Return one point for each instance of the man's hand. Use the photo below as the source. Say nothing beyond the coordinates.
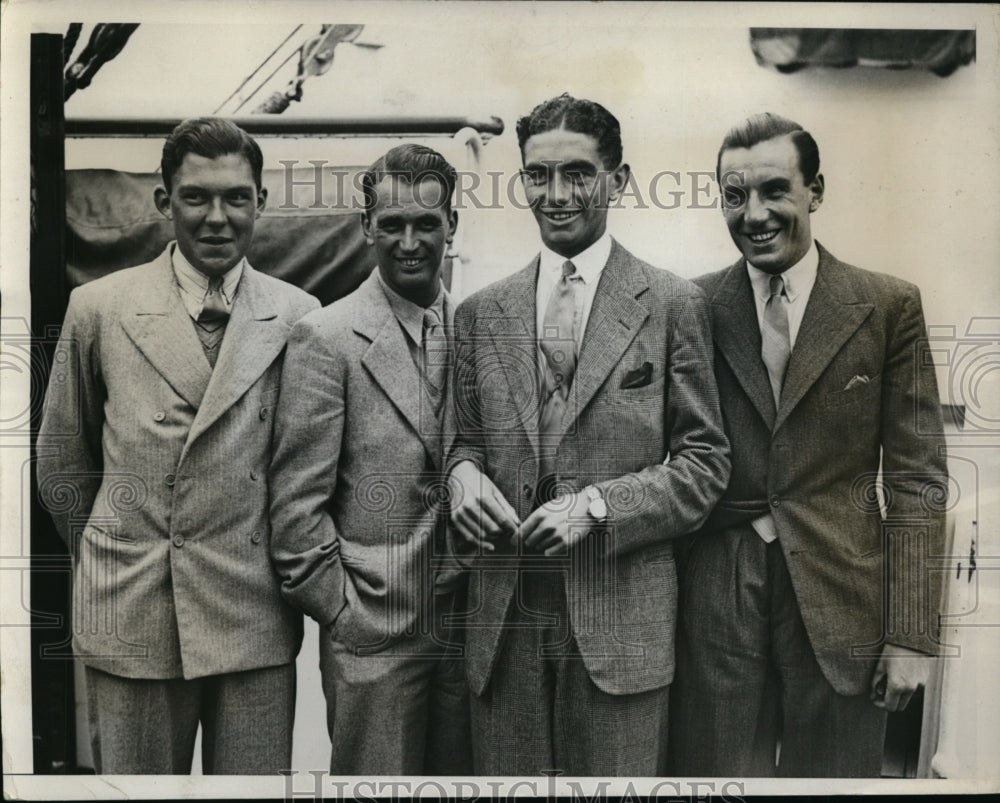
(479, 511)
(557, 525)
(899, 673)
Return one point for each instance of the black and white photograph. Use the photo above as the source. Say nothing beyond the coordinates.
(481, 399)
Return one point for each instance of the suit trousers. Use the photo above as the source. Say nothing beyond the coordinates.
(541, 711)
(140, 726)
(750, 698)
(403, 710)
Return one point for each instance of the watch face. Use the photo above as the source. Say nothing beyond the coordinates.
(598, 509)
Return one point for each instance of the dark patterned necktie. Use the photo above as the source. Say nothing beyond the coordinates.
(435, 347)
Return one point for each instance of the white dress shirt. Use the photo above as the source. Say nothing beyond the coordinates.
(193, 284)
(799, 280)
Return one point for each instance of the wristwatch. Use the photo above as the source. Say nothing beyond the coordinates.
(597, 508)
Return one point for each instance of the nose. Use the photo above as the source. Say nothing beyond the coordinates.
(755, 210)
(216, 215)
(558, 189)
(408, 242)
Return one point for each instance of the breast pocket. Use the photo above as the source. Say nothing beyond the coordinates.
(860, 395)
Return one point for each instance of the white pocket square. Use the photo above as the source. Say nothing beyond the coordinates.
(857, 379)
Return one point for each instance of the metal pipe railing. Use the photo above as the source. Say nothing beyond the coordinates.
(272, 126)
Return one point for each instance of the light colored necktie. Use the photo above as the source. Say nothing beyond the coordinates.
(558, 346)
(436, 356)
(214, 312)
(775, 342)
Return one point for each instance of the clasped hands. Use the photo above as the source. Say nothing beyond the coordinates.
(482, 516)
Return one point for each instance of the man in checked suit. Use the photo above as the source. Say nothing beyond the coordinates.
(588, 438)
(358, 537)
(153, 457)
(806, 616)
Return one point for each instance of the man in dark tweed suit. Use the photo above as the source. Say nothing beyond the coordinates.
(157, 436)
(588, 438)
(808, 610)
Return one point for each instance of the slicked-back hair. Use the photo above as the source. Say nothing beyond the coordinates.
(412, 163)
(210, 137)
(575, 114)
(767, 125)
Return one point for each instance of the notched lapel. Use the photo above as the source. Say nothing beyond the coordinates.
(162, 330)
(834, 312)
(513, 331)
(254, 337)
(390, 364)
(737, 337)
(614, 322)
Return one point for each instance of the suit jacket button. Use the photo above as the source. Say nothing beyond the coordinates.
(526, 490)
(775, 501)
(253, 474)
(159, 415)
(263, 413)
(255, 536)
(178, 541)
(170, 479)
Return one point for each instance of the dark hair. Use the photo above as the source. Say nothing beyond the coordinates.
(762, 127)
(581, 116)
(411, 163)
(210, 137)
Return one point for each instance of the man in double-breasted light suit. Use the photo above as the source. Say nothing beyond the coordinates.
(358, 487)
(808, 610)
(588, 438)
(153, 458)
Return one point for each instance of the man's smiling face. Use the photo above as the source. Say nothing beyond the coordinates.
(213, 204)
(568, 187)
(767, 203)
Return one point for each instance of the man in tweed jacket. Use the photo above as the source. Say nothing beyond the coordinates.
(153, 459)
(573, 591)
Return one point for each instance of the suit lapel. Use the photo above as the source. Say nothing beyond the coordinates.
(255, 336)
(514, 334)
(737, 337)
(162, 330)
(615, 319)
(834, 312)
(391, 365)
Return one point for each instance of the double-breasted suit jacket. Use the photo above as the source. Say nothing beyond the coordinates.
(643, 426)
(357, 471)
(155, 467)
(859, 388)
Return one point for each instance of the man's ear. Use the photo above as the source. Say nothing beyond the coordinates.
(452, 225)
(261, 200)
(162, 200)
(816, 192)
(617, 180)
(366, 227)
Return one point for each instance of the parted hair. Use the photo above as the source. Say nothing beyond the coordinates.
(412, 163)
(210, 137)
(767, 125)
(579, 115)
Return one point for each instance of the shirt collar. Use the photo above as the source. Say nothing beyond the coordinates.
(410, 315)
(196, 282)
(798, 279)
(589, 262)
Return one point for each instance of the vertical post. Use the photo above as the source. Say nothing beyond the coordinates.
(53, 714)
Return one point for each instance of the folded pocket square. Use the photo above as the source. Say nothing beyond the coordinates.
(640, 377)
(857, 379)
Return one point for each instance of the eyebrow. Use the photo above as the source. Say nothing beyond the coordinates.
(576, 164)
